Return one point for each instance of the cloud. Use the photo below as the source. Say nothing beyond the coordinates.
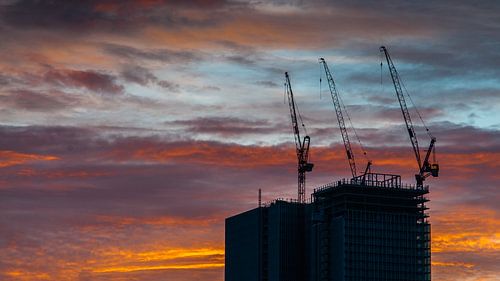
(11, 158)
(465, 241)
(225, 126)
(5, 80)
(155, 55)
(108, 189)
(28, 13)
(141, 183)
(165, 259)
(93, 81)
(144, 77)
(270, 84)
(168, 85)
(39, 101)
(109, 14)
(139, 75)
(474, 231)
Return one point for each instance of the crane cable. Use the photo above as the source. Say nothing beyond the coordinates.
(303, 126)
(381, 63)
(296, 108)
(320, 80)
(408, 95)
(301, 121)
(353, 129)
(365, 154)
(418, 112)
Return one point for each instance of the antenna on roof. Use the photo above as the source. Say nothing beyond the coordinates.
(260, 197)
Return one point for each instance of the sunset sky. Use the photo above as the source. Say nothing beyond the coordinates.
(130, 129)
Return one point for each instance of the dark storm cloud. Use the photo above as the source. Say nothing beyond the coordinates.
(96, 82)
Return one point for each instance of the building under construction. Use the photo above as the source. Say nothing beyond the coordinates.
(374, 228)
(368, 227)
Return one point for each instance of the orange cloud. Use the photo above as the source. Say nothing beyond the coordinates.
(452, 264)
(57, 174)
(22, 275)
(160, 267)
(267, 27)
(163, 220)
(12, 158)
(254, 156)
(466, 230)
(179, 258)
(208, 153)
(117, 260)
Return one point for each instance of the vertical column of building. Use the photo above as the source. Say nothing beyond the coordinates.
(423, 238)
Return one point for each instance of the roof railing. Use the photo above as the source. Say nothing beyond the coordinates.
(287, 200)
(374, 180)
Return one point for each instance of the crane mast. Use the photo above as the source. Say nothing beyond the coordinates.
(340, 119)
(301, 147)
(425, 168)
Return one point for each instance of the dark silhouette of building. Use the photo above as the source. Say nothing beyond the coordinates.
(266, 243)
(370, 227)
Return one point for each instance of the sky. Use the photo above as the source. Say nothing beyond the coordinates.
(129, 130)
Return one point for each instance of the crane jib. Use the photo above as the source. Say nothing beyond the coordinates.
(340, 118)
(301, 146)
(425, 168)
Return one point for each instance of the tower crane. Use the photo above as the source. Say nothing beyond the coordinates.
(340, 119)
(425, 168)
(301, 146)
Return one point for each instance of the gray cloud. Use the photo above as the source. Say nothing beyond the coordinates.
(38, 101)
(226, 126)
(108, 14)
(162, 55)
(93, 81)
